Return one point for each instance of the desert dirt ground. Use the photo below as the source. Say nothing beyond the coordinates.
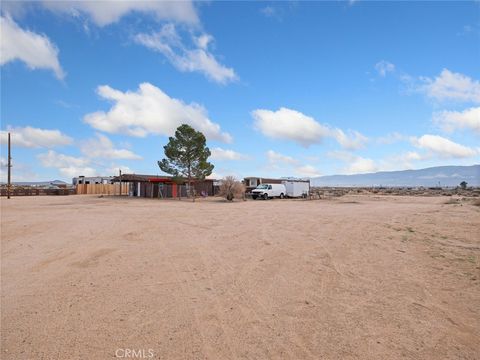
(359, 277)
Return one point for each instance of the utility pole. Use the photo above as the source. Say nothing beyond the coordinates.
(120, 182)
(9, 176)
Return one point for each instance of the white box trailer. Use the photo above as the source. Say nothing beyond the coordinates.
(297, 188)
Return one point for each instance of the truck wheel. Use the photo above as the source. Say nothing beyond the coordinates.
(281, 196)
(254, 197)
(265, 196)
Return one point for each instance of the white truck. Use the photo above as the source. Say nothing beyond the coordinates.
(265, 191)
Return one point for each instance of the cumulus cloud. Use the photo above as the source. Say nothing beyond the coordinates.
(68, 166)
(287, 163)
(274, 158)
(353, 141)
(383, 67)
(361, 165)
(35, 50)
(107, 12)
(404, 160)
(413, 156)
(307, 171)
(102, 147)
(115, 169)
(290, 124)
(31, 137)
(226, 154)
(73, 166)
(443, 147)
(392, 138)
(150, 111)
(354, 164)
(293, 125)
(196, 58)
(451, 86)
(469, 119)
(21, 172)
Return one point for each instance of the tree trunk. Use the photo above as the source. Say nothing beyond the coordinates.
(190, 188)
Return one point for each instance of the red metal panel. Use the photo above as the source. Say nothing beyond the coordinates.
(160, 180)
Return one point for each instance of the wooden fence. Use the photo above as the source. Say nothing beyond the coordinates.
(102, 189)
(32, 191)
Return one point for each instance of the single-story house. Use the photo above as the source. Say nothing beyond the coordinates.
(159, 186)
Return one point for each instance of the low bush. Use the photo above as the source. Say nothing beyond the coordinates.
(231, 189)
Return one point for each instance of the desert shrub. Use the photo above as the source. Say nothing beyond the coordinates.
(231, 189)
(452, 201)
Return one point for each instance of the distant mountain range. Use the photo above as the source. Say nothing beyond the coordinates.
(429, 177)
(435, 176)
(38, 183)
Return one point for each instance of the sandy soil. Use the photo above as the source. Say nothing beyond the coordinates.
(360, 277)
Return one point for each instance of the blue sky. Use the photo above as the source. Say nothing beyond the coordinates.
(279, 88)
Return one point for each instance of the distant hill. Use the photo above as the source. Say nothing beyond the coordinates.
(38, 183)
(443, 175)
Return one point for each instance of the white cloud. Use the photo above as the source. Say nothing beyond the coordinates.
(451, 86)
(34, 138)
(72, 166)
(383, 67)
(169, 43)
(286, 163)
(275, 158)
(355, 164)
(413, 156)
(452, 120)
(307, 171)
(102, 147)
(361, 165)
(404, 160)
(443, 147)
(68, 166)
(273, 12)
(115, 169)
(392, 138)
(20, 171)
(107, 12)
(353, 141)
(268, 11)
(150, 111)
(290, 124)
(35, 50)
(225, 154)
(293, 125)
(54, 159)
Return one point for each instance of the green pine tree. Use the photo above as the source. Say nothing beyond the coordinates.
(186, 156)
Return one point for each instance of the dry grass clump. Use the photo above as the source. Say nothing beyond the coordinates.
(452, 201)
(230, 189)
